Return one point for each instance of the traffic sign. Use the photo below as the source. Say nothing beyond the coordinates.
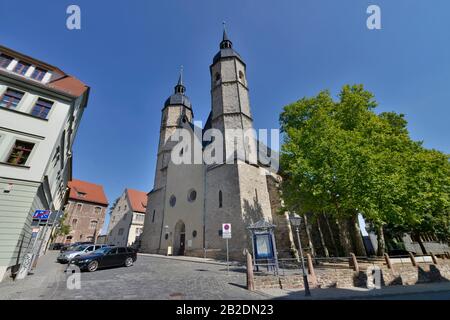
(226, 231)
(41, 214)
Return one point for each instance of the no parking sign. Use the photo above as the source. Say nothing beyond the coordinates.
(226, 231)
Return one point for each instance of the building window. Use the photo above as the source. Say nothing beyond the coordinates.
(192, 195)
(120, 232)
(38, 74)
(124, 217)
(42, 108)
(81, 194)
(97, 210)
(21, 68)
(74, 223)
(256, 195)
(79, 206)
(11, 99)
(93, 224)
(220, 199)
(241, 75)
(217, 78)
(125, 207)
(153, 217)
(5, 60)
(20, 152)
(69, 238)
(172, 201)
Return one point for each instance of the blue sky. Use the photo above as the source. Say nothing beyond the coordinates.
(129, 53)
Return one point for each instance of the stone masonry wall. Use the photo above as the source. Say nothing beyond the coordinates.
(347, 278)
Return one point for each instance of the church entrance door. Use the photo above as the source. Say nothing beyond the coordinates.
(179, 238)
(182, 242)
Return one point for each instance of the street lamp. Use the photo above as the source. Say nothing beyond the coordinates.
(295, 222)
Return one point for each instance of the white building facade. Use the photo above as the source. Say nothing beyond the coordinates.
(127, 217)
(40, 111)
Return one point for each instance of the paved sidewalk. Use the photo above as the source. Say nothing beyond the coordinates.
(37, 283)
(192, 259)
(356, 293)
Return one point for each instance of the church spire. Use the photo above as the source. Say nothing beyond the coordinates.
(180, 88)
(226, 43)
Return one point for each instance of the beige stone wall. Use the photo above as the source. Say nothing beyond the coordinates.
(83, 213)
(223, 178)
(347, 278)
(150, 239)
(182, 179)
(120, 220)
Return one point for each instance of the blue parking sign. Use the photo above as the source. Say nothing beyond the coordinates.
(41, 214)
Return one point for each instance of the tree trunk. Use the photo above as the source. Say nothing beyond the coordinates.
(381, 242)
(322, 239)
(420, 242)
(344, 236)
(360, 249)
(308, 234)
(333, 241)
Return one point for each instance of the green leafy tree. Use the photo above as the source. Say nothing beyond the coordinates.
(341, 158)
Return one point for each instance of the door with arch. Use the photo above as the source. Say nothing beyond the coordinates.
(180, 238)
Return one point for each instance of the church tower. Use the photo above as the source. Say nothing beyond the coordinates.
(230, 99)
(177, 111)
(236, 192)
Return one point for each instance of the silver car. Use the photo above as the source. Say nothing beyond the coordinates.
(80, 250)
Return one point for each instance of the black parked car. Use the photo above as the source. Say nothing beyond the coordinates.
(56, 246)
(106, 257)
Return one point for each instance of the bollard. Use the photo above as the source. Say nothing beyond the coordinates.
(353, 262)
(311, 271)
(250, 279)
(413, 260)
(433, 257)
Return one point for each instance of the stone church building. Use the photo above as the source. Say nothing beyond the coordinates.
(189, 202)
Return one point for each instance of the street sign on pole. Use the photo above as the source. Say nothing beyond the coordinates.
(226, 234)
(226, 231)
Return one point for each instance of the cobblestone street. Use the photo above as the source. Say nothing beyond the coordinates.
(150, 278)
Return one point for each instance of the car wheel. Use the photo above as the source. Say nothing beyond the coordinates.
(128, 262)
(92, 266)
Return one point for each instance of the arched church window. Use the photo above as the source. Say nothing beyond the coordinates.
(220, 199)
(172, 201)
(153, 217)
(194, 233)
(192, 195)
(241, 75)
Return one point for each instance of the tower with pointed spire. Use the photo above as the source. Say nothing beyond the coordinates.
(177, 109)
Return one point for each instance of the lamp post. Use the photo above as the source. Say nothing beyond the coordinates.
(295, 222)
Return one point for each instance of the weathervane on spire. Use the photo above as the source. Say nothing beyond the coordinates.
(226, 43)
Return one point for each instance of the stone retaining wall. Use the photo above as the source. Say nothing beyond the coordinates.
(347, 278)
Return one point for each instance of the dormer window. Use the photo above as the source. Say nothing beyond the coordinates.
(21, 68)
(81, 194)
(5, 60)
(38, 74)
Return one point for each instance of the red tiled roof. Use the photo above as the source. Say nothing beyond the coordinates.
(69, 84)
(138, 200)
(88, 192)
